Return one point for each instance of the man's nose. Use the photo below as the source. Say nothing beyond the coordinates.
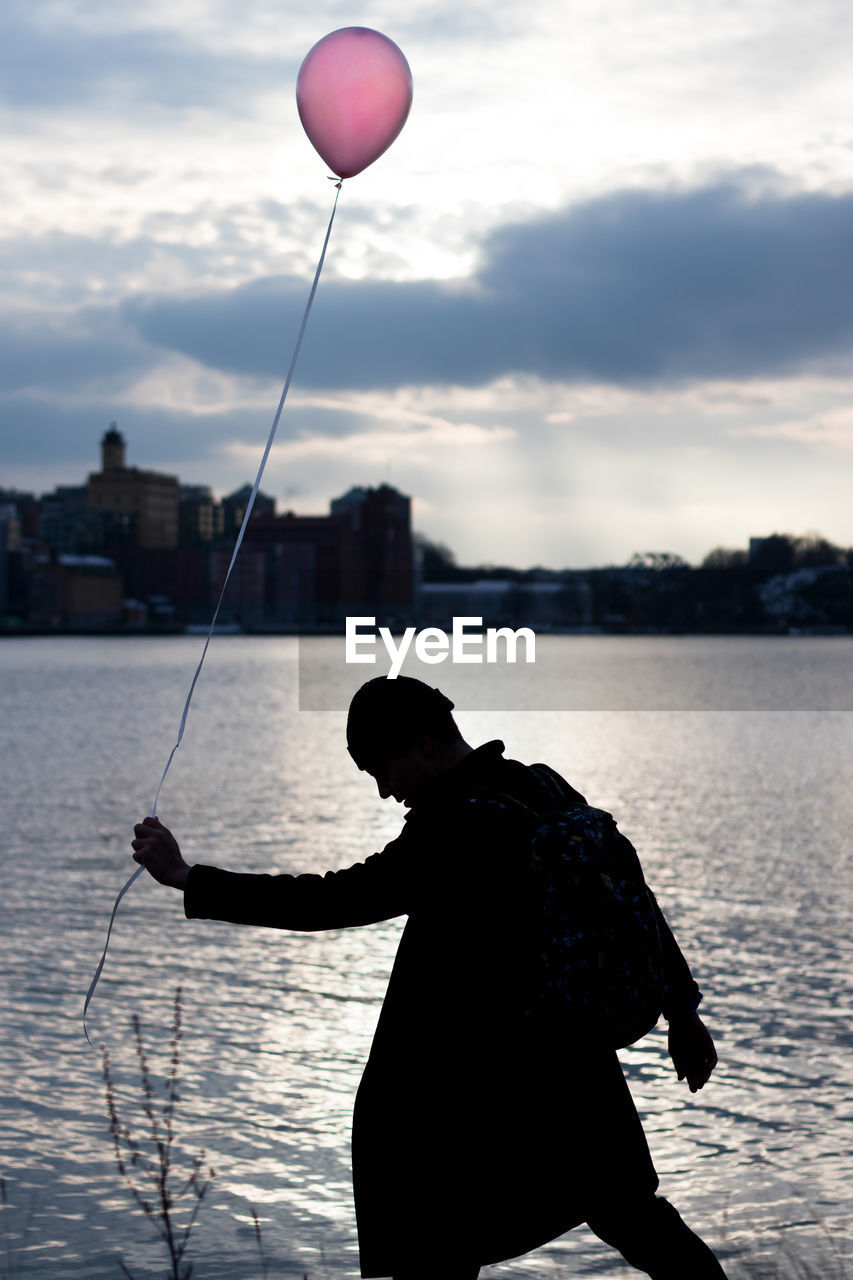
(383, 788)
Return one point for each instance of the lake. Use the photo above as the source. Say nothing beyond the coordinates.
(726, 761)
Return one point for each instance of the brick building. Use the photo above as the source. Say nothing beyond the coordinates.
(359, 559)
(75, 592)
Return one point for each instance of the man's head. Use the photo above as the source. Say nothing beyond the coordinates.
(402, 732)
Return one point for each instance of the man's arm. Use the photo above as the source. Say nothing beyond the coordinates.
(691, 1046)
(362, 894)
(681, 992)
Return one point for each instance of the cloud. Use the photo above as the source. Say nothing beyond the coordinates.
(50, 59)
(833, 427)
(173, 57)
(637, 287)
(65, 353)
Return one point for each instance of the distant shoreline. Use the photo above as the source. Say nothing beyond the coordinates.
(817, 632)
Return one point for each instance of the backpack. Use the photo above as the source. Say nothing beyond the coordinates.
(597, 961)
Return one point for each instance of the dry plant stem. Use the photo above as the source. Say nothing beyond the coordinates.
(156, 1167)
(12, 1265)
(4, 1200)
(264, 1262)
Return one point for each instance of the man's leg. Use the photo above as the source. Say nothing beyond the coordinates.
(653, 1238)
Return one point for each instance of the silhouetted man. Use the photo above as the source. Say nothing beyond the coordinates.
(475, 1137)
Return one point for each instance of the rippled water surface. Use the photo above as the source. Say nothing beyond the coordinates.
(742, 819)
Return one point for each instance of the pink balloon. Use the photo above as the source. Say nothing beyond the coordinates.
(353, 93)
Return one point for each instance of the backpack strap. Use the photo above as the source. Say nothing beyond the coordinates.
(560, 794)
(548, 793)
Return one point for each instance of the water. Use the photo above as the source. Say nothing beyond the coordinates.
(742, 818)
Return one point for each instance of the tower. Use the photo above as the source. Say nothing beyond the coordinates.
(112, 450)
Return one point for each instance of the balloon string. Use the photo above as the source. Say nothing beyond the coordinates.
(297, 348)
(94, 981)
(250, 504)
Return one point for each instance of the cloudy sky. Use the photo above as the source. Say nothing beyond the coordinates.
(597, 298)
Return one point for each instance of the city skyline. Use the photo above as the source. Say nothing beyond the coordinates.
(133, 547)
(271, 504)
(611, 313)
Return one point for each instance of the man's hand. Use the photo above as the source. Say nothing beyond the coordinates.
(691, 1049)
(157, 849)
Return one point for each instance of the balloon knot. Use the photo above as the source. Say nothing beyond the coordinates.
(339, 182)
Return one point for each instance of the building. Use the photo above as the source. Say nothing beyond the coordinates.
(10, 555)
(148, 498)
(358, 559)
(563, 602)
(200, 516)
(75, 592)
(234, 509)
(69, 526)
(27, 507)
(378, 554)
